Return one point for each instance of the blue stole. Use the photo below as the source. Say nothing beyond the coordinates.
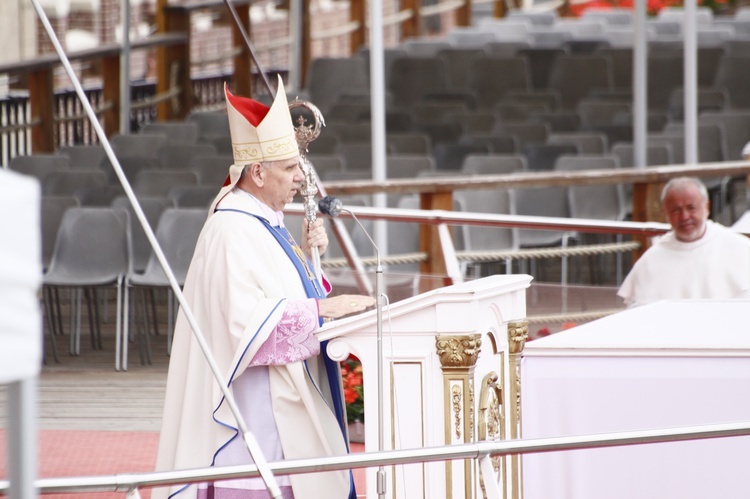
(313, 289)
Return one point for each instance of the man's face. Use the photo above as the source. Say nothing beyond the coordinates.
(282, 181)
(687, 212)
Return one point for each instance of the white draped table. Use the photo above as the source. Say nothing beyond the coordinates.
(669, 364)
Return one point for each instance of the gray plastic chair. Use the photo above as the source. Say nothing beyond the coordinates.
(84, 156)
(575, 76)
(494, 201)
(495, 164)
(327, 77)
(79, 183)
(491, 78)
(139, 145)
(152, 207)
(174, 156)
(412, 77)
(92, 250)
(586, 142)
(177, 233)
(212, 169)
(193, 196)
(40, 165)
(409, 166)
(53, 209)
(180, 132)
(409, 143)
(159, 182)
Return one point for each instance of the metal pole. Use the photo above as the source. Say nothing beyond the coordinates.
(690, 104)
(125, 68)
(249, 439)
(474, 450)
(640, 104)
(22, 438)
(377, 114)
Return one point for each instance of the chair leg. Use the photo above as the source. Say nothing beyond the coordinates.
(50, 331)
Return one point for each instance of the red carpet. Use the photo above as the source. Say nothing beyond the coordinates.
(87, 453)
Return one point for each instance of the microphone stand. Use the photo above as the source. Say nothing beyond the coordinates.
(380, 477)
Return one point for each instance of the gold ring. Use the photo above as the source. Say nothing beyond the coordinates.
(353, 304)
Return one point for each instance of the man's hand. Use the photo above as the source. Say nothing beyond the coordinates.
(314, 237)
(342, 305)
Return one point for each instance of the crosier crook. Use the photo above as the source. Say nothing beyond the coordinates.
(305, 134)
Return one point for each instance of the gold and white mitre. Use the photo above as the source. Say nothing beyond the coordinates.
(258, 133)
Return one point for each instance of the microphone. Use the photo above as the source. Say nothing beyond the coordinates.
(330, 206)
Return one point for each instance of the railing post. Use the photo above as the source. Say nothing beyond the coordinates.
(646, 207)
(412, 27)
(242, 78)
(173, 65)
(429, 240)
(463, 13)
(111, 94)
(41, 98)
(458, 357)
(357, 14)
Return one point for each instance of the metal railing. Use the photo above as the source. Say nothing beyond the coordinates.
(480, 450)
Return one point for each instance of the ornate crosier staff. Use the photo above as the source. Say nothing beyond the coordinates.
(339, 230)
(305, 134)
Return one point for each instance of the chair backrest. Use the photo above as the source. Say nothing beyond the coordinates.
(409, 143)
(175, 156)
(177, 233)
(159, 182)
(53, 209)
(477, 238)
(84, 156)
(152, 208)
(605, 201)
(496, 164)
(733, 76)
(736, 127)
(409, 166)
(179, 132)
(210, 124)
(92, 247)
(526, 133)
(450, 157)
(193, 196)
(211, 169)
(40, 165)
(493, 77)
(542, 157)
(542, 202)
(79, 183)
(575, 76)
(656, 155)
(540, 64)
(412, 77)
(459, 62)
(421, 47)
(328, 77)
(496, 143)
(598, 112)
(327, 163)
(587, 142)
(141, 145)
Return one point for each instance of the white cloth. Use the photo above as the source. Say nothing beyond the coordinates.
(715, 266)
(238, 284)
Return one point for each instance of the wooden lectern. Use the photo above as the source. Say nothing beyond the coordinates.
(447, 358)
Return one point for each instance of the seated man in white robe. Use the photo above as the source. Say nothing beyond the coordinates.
(697, 259)
(252, 292)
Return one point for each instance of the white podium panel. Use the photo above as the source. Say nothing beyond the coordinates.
(670, 364)
(20, 277)
(414, 402)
